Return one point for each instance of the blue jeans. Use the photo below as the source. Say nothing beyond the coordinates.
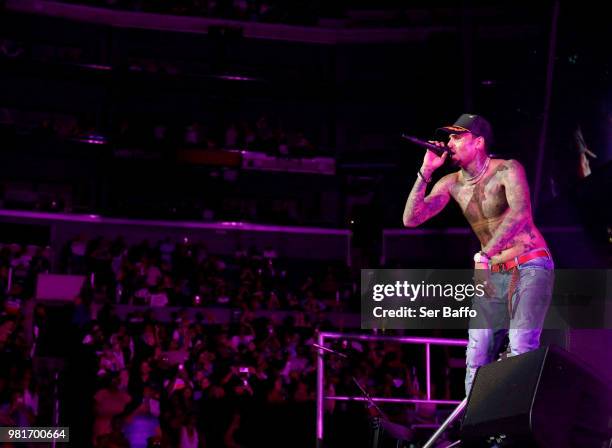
(530, 300)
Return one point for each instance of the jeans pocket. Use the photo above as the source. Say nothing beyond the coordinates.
(537, 281)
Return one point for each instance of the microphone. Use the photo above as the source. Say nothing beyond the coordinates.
(438, 150)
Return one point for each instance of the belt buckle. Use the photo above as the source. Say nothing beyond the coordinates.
(500, 267)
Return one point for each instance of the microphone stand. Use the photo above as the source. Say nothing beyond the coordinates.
(381, 421)
(368, 398)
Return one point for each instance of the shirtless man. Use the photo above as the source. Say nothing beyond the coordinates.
(514, 262)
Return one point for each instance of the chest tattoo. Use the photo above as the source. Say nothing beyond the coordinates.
(475, 210)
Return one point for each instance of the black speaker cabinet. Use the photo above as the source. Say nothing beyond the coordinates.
(545, 398)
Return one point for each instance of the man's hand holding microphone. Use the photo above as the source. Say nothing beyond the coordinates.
(432, 161)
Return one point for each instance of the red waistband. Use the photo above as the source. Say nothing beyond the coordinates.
(506, 266)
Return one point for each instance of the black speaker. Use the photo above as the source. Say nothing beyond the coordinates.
(545, 398)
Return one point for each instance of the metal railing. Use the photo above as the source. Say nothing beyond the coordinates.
(427, 342)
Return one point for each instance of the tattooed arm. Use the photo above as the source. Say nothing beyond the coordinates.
(518, 214)
(420, 208)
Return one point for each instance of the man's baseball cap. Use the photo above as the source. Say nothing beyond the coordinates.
(475, 124)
